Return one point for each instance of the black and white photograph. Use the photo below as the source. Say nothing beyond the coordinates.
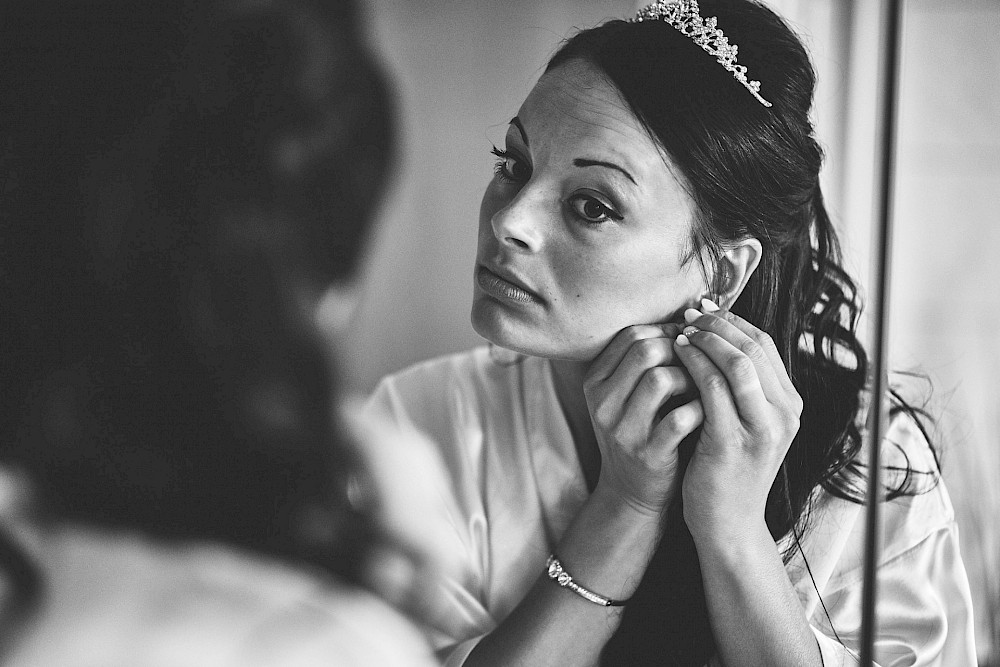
(550, 333)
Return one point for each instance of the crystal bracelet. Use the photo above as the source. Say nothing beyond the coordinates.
(562, 577)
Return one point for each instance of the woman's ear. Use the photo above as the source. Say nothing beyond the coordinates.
(734, 269)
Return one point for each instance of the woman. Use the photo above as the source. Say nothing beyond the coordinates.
(666, 470)
(181, 182)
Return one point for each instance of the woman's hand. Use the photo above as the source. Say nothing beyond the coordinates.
(751, 416)
(627, 388)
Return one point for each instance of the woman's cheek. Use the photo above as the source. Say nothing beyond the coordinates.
(623, 294)
(593, 294)
(494, 199)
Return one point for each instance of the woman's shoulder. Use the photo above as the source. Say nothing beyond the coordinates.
(462, 386)
(334, 624)
(112, 594)
(287, 615)
(906, 444)
(469, 367)
(475, 409)
(917, 506)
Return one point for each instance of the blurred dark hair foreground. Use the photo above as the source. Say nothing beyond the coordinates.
(179, 182)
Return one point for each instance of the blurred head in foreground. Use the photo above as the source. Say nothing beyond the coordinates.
(180, 183)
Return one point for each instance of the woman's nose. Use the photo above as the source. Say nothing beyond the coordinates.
(518, 224)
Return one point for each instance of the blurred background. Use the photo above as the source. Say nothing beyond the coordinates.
(463, 68)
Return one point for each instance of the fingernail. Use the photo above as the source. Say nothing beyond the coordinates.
(682, 340)
(709, 306)
(690, 330)
(691, 314)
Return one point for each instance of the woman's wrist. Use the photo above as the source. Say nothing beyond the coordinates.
(605, 551)
(609, 544)
(621, 519)
(754, 609)
(620, 500)
(734, 543)
(721, 523)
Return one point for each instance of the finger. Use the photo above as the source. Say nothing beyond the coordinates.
(656, 387)
(718, 323)
(640, 358)
(767, 344)
(725, 377)
(679, 423)
(605, 363)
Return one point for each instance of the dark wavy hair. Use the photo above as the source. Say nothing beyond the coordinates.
(752, 171)
(180, 180)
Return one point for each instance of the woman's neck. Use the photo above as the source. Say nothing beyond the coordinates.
(567, 376)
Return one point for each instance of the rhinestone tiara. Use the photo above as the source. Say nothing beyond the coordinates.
(685, 16)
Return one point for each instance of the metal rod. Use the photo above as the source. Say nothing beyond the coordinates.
(878, 415)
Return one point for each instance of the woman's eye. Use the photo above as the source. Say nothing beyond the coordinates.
(510, 168)
(592, 210)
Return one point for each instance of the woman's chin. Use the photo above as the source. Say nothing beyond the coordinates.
(530, 341)
(502, 333)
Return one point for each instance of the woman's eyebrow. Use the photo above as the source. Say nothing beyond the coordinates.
(584, 162)
(579, 162)
(516, 122)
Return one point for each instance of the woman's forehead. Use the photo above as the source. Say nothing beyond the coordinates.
(577, 97)
(574, 111)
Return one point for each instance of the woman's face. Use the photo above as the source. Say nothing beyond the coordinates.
(584, 230)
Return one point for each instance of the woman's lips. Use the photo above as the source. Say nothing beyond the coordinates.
(502, 288)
